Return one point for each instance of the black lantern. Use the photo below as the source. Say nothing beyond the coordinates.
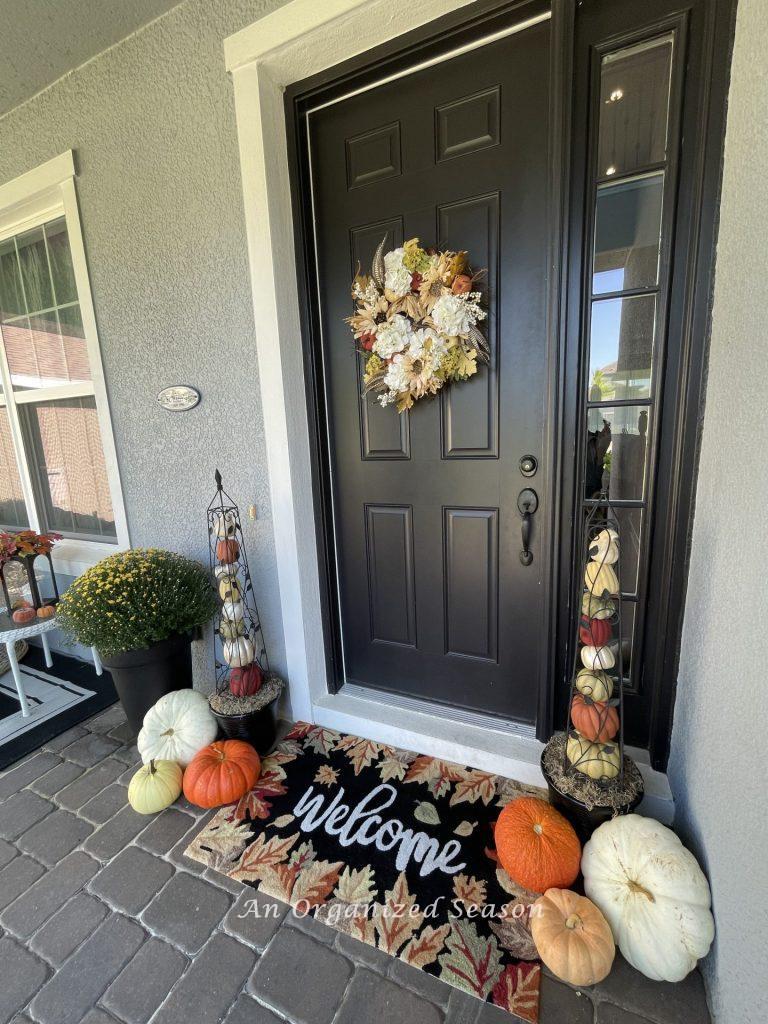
(15, 550)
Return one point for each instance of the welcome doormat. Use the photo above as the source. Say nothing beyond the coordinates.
(391, 847)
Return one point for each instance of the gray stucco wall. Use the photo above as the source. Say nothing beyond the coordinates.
(153, 127)
(718, 768)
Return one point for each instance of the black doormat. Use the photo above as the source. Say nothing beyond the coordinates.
(391, 847)
(101, 694)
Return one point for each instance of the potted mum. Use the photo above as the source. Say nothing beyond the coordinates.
(138, 609)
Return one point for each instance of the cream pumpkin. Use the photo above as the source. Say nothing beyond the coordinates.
(601, 579)
(604, 548)
(238, 652)
(176, 727)
(595, 760)
(653, 894)
(594, 684)
(597, 658)
(595, 607)
(572, 937)
(155, 786)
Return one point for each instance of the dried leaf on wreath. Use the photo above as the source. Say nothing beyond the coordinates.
(377, 264)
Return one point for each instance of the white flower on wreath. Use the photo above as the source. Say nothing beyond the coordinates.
(426, 341)
(397, 278)
(453, 316)
(392, 336)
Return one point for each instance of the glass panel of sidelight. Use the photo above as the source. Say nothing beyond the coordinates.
(65, 443)
(621, 348)
(60, 257)
(634, 106)
(617, 441)
(11, 296)
(627, 234)
(13, 511)
(630, 522)
(35, 274)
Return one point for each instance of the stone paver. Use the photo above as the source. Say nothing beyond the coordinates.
(324, 976)
(129, 882)
(561, 1002)
(42, 899)
(107, 841)
(136, 993)
(426, 985)
(660, 1001)
(186, 911)
(68, 928)
(7, 852)
(20, 812)
(97, 1016)
(18, 777)
(308, 924)
(76, 986)
(90, 749)
(128, 754)
(363, 953)
(607, 1013)
(464, 1008)
(248, 1011)
(123, 733)
(54, 837)
(105, 721)
(195, 998)
(17, 877)
(176, 855)
(255, 918)
(65, 738)
(371, 997)
(104, 805)
(57, 778)
(22, 975)
(89, 784)
(165, 830)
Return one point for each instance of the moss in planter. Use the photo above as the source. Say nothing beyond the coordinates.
(226, 703)
(587, 791)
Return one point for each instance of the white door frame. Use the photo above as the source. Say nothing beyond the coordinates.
(298, 40)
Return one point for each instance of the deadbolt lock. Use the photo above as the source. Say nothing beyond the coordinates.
(528, 465)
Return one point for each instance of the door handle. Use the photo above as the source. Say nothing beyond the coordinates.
(527, 503)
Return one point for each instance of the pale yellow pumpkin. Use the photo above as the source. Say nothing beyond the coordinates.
(155, 786)
(596, 685)
(595, 607)
(595, 760)
(597, 658)
(601, 579)
(572, 937)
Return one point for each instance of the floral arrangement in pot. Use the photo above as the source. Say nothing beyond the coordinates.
(139, 608)
(415, 323)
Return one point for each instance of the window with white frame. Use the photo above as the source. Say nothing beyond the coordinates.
(58, 469)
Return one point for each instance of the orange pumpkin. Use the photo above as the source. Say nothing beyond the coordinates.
(23, 616)
(227, 551)
(572, 937)
(221, 773)
(596, 721)
(46, 612)
(594, 632)
(536, 845)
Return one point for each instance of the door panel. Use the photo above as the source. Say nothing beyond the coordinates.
(434, 601)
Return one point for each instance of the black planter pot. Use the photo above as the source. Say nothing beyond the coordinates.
(142, 677)
(584, 819)
(259, 728)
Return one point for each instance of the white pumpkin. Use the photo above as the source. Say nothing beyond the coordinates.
(597, 658)
(604, 548)
(233, 611)
(653, 894)
(239, 652)
(596, 685)
(176, 727)
(225, 569)
(224, 524)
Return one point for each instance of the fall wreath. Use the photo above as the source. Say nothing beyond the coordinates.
(415, 322)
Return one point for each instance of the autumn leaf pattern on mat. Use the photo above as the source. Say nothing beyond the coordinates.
(392, 848)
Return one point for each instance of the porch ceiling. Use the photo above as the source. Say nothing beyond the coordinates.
(41, 40)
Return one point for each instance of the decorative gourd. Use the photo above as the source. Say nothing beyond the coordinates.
(593, 606)
(224, 524)
(597, 658)
(604, 548)
(653, 893)
(47, 611)
(23, 616)
(221, 773)
(572, 937)
(155, 786)
(600, 579)
(536, 845)
(594, 632)
(233, 612)
(20, 603)
(230, 590)
(595, 720)
(595, 760)
(239, 652)
(244, 682)
(596, 685)
(225, 569)
(176, 727)
(231, 630)
(227, 550)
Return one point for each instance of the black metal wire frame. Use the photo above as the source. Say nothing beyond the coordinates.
(223, 509)
(602, 516)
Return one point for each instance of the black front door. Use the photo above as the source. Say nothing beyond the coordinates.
(434, 601)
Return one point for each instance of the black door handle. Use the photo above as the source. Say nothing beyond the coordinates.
(527, 503)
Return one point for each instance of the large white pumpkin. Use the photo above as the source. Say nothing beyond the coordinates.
(176, 727)
(653, 894)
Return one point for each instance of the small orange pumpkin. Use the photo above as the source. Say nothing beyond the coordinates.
(221, 773)
(46, 612)
(536, 845)
(23, 616)
(596, 721)
(572, 937)
(227, 550)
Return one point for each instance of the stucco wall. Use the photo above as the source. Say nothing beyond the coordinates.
(153, 128)
(718, 767)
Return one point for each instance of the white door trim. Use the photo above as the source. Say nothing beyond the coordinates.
(289, 45)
